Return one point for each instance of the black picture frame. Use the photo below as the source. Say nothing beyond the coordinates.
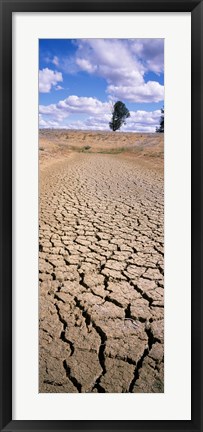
(7, 7)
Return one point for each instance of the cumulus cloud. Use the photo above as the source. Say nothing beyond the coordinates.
(51, 111)
(142, 121)
(151, 91)
(145, 116)
(150, 52)
(47, 123)
(85, 65)
(78, 105)
(92, 123)
(123, 64)
(109, 58)
(48, 78)
(86, 105)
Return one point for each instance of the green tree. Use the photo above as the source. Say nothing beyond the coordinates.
(160, 129)
(119, 114)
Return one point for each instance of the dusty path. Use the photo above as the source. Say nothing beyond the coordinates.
(101, 276)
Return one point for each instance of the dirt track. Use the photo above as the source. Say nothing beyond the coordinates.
(101, 276)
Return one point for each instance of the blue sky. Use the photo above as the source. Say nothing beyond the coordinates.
(80, 80)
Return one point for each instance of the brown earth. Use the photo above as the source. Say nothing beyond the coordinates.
(101, 262)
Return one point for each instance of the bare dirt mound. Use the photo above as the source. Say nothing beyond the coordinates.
(59, 143)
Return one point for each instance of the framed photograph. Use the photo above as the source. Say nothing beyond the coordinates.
(101, 241)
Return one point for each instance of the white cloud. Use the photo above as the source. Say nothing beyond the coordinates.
(150, 52)
(142, 121)
(47, 124)
(92, 123)
(123, 63)
(77, 105)
(145, 116)
(51, 111)
(86, 65)
(109, 58)
(151, 91)
(86, 105)
(48, 78)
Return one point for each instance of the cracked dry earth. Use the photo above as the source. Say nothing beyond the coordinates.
(101, 276)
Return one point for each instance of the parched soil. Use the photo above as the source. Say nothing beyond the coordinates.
(101, 275)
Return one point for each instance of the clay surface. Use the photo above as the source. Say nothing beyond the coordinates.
(101, 269)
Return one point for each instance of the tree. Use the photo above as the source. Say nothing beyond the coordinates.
(160, 129)
(119, 114)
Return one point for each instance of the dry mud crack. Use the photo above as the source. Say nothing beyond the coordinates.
(101, 276)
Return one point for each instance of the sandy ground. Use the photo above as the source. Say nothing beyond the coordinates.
(101, 262)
